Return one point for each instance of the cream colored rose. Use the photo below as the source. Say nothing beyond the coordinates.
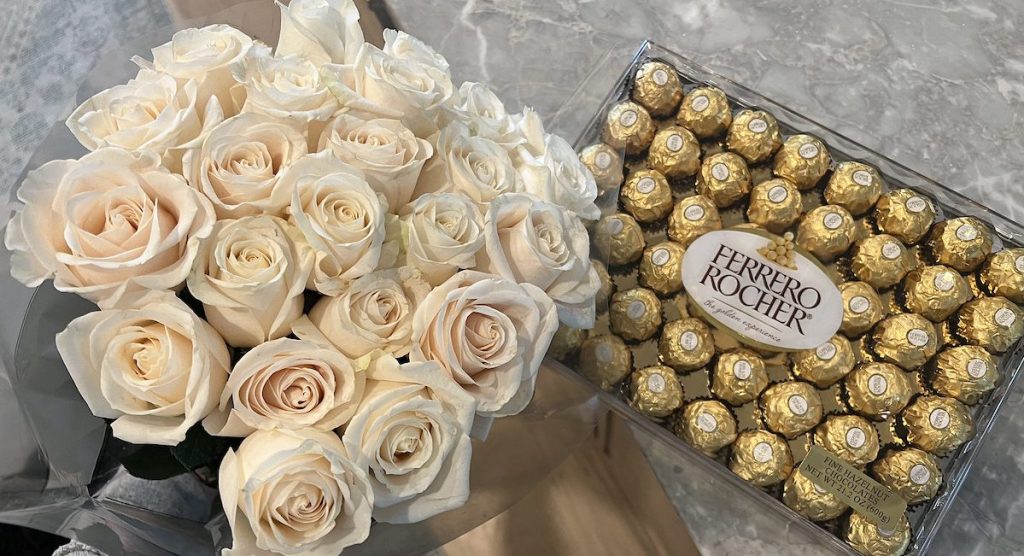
(377, 84)
(250, 276)
(152, 365)
(284, 87)
(288, 384)
(558, 176)
(239, 163)
(530, 127)
(343, 219)
(321, 31)
(388, 154)
(411, 435)
(374, 312)
(204, 55)
(294, 492)
(476, 167)
(443, 232)
(153, 111)
(482, 112)
(109, 223)
(489, 334)
(535, 242)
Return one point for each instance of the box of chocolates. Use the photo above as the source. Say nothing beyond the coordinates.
(835, 329)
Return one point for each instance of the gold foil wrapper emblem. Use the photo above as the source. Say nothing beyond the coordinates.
(754, 135)
(705, 111)
(655, 391)
(868, 539)
(937, 424)
(618, 239)
(674, 152)
(656, 86)
(811, 501)
(1003, 274)
(661, 267)
(878, 390)
(827, 231)
(775, 205)
(761, 458)
(825, 364)
(791, 408)
(965, 372)
(935, 292)
(850, 437)
(994, 323)
(803, 160)
(629, 126)
(724, 178)
(605, 164)
(905, 214)
(739, 376)
(911, 473)
(635, 314)
(881, 261)
(862, 308)
(960, 243)
(707, 425)
(686, 344)
(605, 360)
(906, 339)
(691, 218)
(854, 186)
(647, 196)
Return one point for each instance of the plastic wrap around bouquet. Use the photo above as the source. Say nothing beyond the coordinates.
(319, 271)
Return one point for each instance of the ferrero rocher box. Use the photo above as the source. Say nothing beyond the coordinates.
(830, 326)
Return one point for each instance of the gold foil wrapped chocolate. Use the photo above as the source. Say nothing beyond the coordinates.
(854, 186)
(935, 292)
(566, 341)
(911, 473)
(705, 111)
(754, 135)
(791, 408)
(961, 243)
(661, 267)
(656, 87)
(862, 308)
(691, 218)
(850, 437)
(803, 160)
(618, 239)
(647, 196)
(878, 390)
(686, 344)
(868, 539)
(994, 323)
(826, 232)
(937, 424)
(881, 261)
(604, 293)
(761, 458)
(635, 314)
(604, 163)
(775, 205)
(655, 391)
(605, 360)
(905, 339)
(965, 372)
(1003, 274)
(826, 364)
(674, 152)
(707, 425)
(629, 126)
(809, 500)
(724, 178)
(904, 214)
(739, 376)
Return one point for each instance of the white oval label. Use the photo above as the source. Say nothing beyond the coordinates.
(645, 185)
(700, 103)
(604, 353)
(614, 226)
(763, 452)
(944, 281)
(859, 304)
(1005, 317)
(636, 309)
(694, 212)
(778, 194)
(707, 422)
(808, 150)
(772, 307)
(660, 76)
(977, 368)
(916, 204)
(797, 404)
(891, 250)
(720, 172)
(832, 220)
(919, 474)
(967, 232)
(688, 340)
(862, 178)
(628, 118)
(660, 256)
(917, 337)
(757, 125)
(877, 384)
(1019, 264)
(855, 438)
(939, 418)
(675, 142)
(603, 161)
(656, 383)
(826, 352)
(742, 369)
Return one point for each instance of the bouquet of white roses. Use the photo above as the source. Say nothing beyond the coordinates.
(323, 249)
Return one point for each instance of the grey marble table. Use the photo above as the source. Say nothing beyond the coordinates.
(935, 84)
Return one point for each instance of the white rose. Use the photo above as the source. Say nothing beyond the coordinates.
(287, 384)
(474, 166)
(322, 31)
(294, 492)
(559, 177)
(250, 275)
(443, 232)
(155, 368)
(403, 46)
(343, 219)
(238, 164)
(376, 84)
(482, 112)
(411, 434)
(153, 111)
(109, 223)
(285, 87)
(205, 55)
(530, 127)
(374, 312)
(388, 154)
(543, 244)
(489, 334)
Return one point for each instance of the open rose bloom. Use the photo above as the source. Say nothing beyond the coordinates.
(324, 255)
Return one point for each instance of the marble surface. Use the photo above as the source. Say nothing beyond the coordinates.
(935, 84)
